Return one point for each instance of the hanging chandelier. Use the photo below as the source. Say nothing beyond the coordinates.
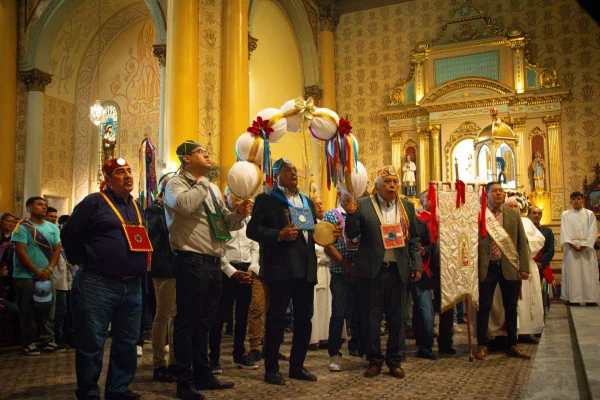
(97, 111)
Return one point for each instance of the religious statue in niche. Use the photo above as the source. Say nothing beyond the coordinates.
(538, 166)
(500, 167)
(409, 182)
(470, 169)
(109, 140)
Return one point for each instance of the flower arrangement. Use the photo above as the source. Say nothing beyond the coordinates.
(521, 199)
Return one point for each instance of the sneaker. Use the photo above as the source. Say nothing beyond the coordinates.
(254, 356)
(456, 329)
(140, 351)
(335, 363)
(244, 363)
(31, 350)
(216, 369)
(53, 347)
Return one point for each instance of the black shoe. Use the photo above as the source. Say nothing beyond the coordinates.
(313, 347)
(244, 363)
(212, 383)
(189, 392)
(126, 395)
(254, 356)
(527, 339)
(161, 374)
(591, 304)
(447, 350)
(274, 378)
(461, 321)
(302, 374)
(427, 354)
(568, 303)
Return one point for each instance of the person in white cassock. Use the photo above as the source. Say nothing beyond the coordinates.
(322, 304)
(578, 232)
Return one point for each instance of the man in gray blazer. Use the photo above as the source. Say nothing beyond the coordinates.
(384, 273)
(496, 268)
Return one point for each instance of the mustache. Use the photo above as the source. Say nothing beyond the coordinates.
(128, 180)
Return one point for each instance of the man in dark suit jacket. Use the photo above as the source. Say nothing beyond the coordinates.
(496, 268)
(384, 274)
(546, 254)
(288, 265)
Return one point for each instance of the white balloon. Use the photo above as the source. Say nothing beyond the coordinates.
(359, 178)
(322, 127)
(244, 145)
(244, 179)
(279, 127)
(293, 121)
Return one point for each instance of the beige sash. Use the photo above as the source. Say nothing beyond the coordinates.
(391, 234)
(501, 238)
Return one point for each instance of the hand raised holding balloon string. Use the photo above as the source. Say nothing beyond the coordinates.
(245, 208)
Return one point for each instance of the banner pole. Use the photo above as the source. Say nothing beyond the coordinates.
(468, 310)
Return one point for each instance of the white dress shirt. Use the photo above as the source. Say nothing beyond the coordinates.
(389, 212)
(240, 250)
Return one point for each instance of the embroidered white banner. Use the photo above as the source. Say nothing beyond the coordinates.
(459, 237)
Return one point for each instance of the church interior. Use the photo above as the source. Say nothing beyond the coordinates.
(476, 90)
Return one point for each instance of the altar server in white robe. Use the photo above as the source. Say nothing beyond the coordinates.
(322, 302)
(578, 233)
(530, 307)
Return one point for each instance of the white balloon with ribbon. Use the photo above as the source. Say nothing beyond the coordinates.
(244, 179)
(293, 118)
(341, 154)
(249, 148)
(324, 124)
(276, 126)
(356, 181)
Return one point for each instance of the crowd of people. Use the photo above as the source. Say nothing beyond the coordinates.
(198, 260)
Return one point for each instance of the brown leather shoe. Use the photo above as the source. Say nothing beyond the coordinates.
(517, 352)
(397, 372)
(482, 353)
(372, 371)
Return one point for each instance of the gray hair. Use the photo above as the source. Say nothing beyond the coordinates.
(378, 182)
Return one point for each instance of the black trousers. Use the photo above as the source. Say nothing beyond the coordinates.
(301, 293)
(197, 298)
(240, 294)
(386, 293)
(510, 297)
(444, 339)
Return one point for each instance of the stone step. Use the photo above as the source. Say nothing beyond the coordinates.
(586, 321)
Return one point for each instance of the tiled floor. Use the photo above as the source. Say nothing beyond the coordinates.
(52, 376)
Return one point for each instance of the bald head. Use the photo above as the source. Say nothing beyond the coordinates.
(512, 203)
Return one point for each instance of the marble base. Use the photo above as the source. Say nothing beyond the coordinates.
(587, 325)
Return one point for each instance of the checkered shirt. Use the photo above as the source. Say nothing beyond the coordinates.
(340, 244)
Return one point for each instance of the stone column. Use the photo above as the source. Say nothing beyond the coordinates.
(8, 99)
(329, 20)
(436, 154)
(555, 165)
(181, 91)
(160, 52)
(518, 126)
(397, 160)
(36, 82)
(423, 167)
(234, 81)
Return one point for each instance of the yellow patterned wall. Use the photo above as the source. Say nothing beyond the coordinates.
(372, 56)
(57, 147)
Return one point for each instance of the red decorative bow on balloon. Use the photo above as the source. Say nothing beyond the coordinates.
(259, 123)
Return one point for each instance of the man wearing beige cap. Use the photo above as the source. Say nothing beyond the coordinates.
(389, 254)
(199, 226)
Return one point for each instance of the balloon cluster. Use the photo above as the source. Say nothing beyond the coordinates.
(297, 115)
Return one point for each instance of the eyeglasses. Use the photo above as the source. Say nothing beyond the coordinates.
(200, 151)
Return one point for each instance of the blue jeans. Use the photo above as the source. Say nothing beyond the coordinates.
(423, 315)
(344, 300)
(59, 315)
(98, 301)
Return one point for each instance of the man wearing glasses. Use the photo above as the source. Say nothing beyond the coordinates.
(199, 225)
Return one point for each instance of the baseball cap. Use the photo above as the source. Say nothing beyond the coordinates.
(42, 292)
(186, 148)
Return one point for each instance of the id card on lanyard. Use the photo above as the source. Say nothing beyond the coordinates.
(136, 235)
(301, 217)
(217, 219)
(391, 234)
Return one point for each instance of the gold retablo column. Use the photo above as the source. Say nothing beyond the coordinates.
(518, 126)
(423, 168)
(234, 81)
(436, 154)
(555, 165)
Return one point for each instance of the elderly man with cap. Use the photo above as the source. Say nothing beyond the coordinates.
(282, 223)
(389, 253)
(199, 226)
(106, 237)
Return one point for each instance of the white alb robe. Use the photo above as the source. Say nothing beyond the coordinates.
(322, 302)
(530, 308)
(580, 268)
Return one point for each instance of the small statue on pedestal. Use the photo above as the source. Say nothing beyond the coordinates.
(538, 166)
(408, 177)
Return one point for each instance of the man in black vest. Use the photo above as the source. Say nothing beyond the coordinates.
(388, 254)
(288, 265)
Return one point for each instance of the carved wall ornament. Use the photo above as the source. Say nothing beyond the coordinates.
(160, 52)
(315, 92)
(397, 97)
(548, 78)
(252, 45)
(329, 18)
(536, 132)
(458, 84)
(411, 143)
(36, 80)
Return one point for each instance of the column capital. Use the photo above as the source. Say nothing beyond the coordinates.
(315, 92)
(396, 136)
(252, 45)
(552, 122)
(160, 52)
(435, 130)
(35, 80)
(423, 133)
(518, 44)
(329, 18)
(517, 124)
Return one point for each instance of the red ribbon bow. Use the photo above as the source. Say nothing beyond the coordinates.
(344, 127)
(260, 123)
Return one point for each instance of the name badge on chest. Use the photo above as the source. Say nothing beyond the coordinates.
(302, 218)
(392, 236)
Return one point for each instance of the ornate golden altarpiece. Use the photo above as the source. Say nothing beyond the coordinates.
(454, 82)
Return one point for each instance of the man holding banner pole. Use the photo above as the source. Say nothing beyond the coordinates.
(504, 260)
